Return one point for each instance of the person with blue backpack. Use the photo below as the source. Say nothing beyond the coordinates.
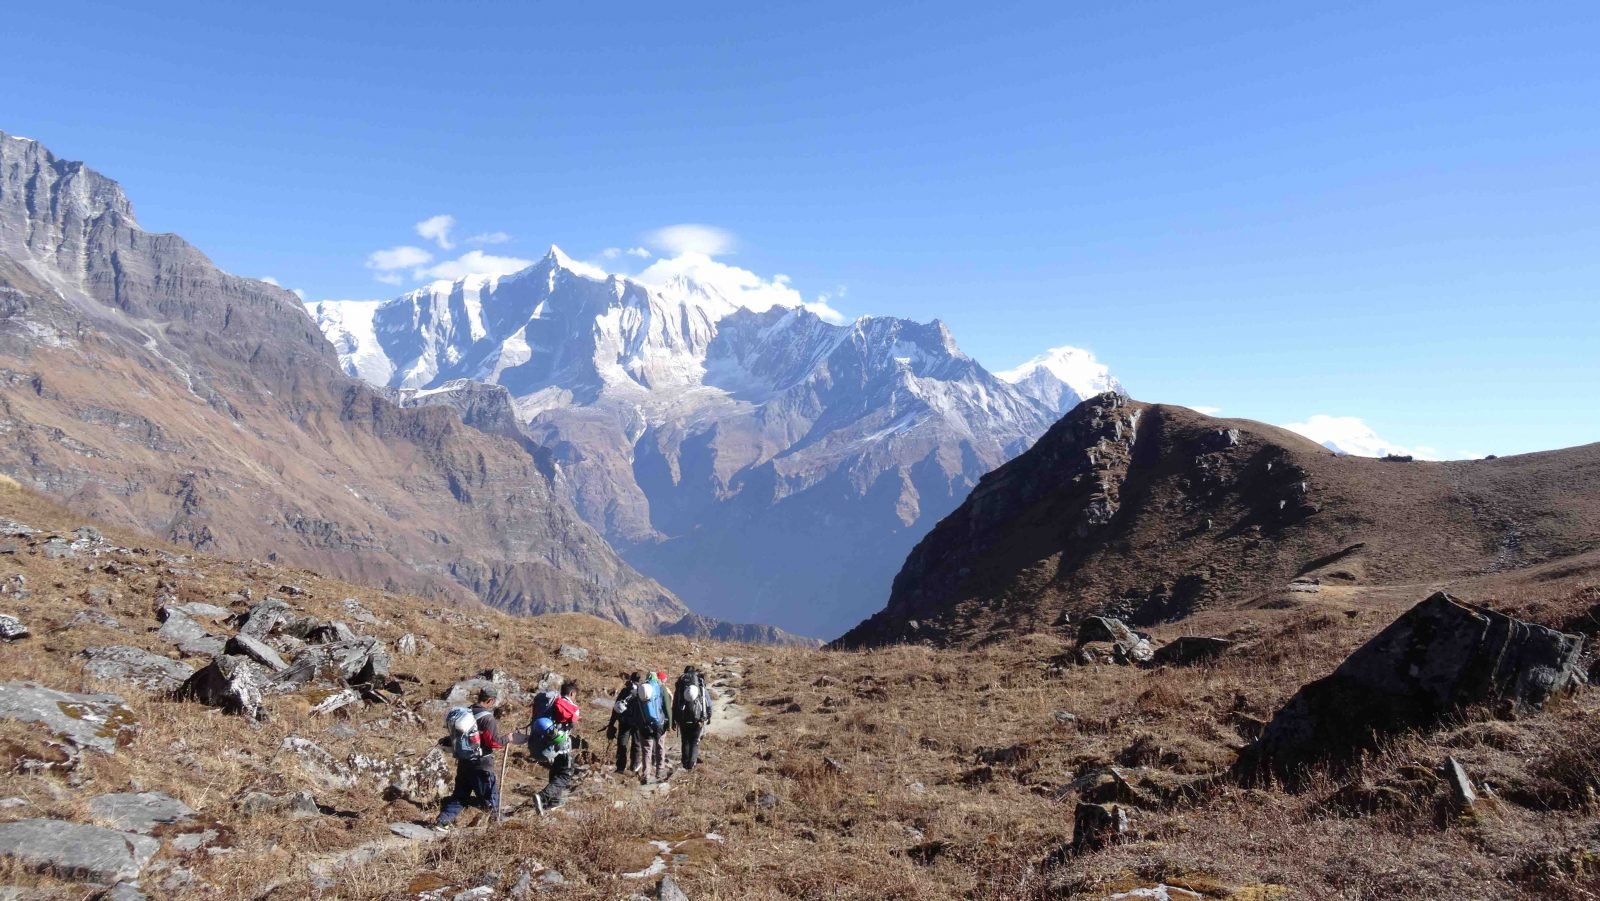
(650, 715)
(474, 736)
(551, 743)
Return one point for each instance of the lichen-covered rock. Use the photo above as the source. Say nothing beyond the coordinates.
(97, 721)
(190, 637)
(422, 782)
(362, 661)
(235, 684)
(257, 650)
(294, 805)
(318, 765)
(139, 812)
(151, 672)
(1438, 657)
(11, 628)
(1105, 628)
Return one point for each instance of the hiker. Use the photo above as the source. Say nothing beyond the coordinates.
(650, 715)
(474, 737)
(555, 751)
(691, 712)
(619, 728)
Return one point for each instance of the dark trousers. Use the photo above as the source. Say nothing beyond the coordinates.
(475, 787)
(560, 781)
(690, 733)
(627, 751)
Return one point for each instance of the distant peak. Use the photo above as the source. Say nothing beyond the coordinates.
(556, 258)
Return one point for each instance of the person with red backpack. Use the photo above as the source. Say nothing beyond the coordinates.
(556, 752)
(474, 737)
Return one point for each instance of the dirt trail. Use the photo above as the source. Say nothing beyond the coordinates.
(728, 719)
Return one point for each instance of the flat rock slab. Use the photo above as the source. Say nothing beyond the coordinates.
(98, 721)
(415, 832)
(191, 638)
(205, 611)
(256, 650)
(77, 851)
(151, 672)
(139, 812)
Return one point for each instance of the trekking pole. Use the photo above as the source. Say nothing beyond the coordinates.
(500, 786)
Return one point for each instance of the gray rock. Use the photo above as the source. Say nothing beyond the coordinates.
(235, 684)
(477, 893)
(1462, 793)
(189, 842)
(1137, 651)
(1191, 649)
(264, 617)
(206, 611)
(552, 877)
(139, 812)
(407, 645)
(1440, 656)
(124, 891)
(414, 832)
(1065, 718)
(359, 613)
(1105, 628)
(93, 618)
(178, 628)
(318, 765)
(466, 691)
(257, 650)
(422, 782)
(12, 628)
(572, 652)
(76, 851)
(328, 633)
(151, 672)
(294, 805)
(668, 890)
(361, 661)
(97, 721)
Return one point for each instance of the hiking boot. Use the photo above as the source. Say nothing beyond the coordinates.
(442, 828)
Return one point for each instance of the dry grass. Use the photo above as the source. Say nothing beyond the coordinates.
(897, 773)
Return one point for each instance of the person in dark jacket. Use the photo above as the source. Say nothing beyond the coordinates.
(691, 713)
(475, 779)
(618, 726)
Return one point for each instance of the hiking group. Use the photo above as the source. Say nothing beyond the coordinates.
(643, 712)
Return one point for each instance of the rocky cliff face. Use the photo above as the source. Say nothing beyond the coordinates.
(1152, 512)
(770, 465)
(143, 385)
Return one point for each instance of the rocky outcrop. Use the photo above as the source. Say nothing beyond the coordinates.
(1439, 657)
(236, 684)
(139, 812)
(1149, 513)
(1188, 650)
(11, 628)
(151, 672)
(704, 627)
(101, 722)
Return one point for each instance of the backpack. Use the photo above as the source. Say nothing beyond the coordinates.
(692, 705)
(647, 711)
(544, 703)
(461, 726)
(546, 742)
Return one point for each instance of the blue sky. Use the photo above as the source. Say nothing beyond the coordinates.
(1383, 211)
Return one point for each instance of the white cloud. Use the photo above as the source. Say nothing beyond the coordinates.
(388, 261)
(689, 237)
(610, 253)
(390, 278)
(437, 230)
(740, 287)
(298, 293)
(473, 263)
(1209, 411)
(1351, 435)
(639, 252)
(269, 280)
(489, 238)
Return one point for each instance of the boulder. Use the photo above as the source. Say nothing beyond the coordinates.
(139, 812)
(235, 684)
(318, 765)
(98, 721)
(1440, 656)
(362, 661)
(11, 628)
(77, 851)
(191, 638)
(294, 805)
(422, 782)
(329, 633)
(1105, 628)
(151, 672)
(274, 616)
(1133, 652)
(1463, 796)
(407, 645)
(205, 611)
(1094, 826)
(572, 652)
(466, 691)
(93, 618)
(257, 650)
(360, 614)
(1189, 650)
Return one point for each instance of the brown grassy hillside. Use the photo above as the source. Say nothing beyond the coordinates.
(906, 773)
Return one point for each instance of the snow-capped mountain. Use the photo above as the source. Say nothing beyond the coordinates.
(768, 465)
(1062, 378)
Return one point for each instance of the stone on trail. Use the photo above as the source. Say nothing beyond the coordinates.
(415, 832)
(11, 628)
(668, 890)
(257, 650)
(98, 721)
(235, 684)
(319, 766)
(151, 672)
(294, 805)
(139, 812)
(1440, 656)
(77, 851)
